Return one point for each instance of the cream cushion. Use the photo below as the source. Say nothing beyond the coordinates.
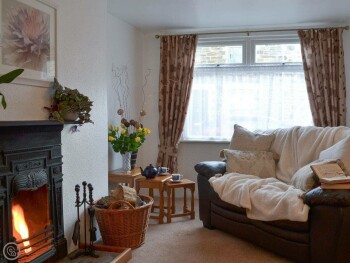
(305, 179)
(245, 140)
(340, 150)
(259, 163)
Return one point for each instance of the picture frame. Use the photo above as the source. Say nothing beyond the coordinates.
(29, 45)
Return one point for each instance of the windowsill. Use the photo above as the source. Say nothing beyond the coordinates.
(204, 141)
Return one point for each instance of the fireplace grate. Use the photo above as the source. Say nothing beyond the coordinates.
(40, 243)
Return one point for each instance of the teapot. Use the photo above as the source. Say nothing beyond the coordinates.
(149, 172)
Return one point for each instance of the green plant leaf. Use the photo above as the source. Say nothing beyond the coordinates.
(10, 76)
(69, 100)
(3, 101)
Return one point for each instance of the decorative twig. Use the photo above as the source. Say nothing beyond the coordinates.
(143, 112)
(122, 89)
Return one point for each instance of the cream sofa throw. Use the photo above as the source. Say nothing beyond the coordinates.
(264, 199)
(299, 146)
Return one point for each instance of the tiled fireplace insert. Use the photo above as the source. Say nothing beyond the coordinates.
(31, 207)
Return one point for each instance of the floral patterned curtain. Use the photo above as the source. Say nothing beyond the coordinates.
(177, 55)
(323, 60)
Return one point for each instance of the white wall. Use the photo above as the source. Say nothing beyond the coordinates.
(346, 41)
(124, 49)
(82, 41)
(149, 149)
(81, 51)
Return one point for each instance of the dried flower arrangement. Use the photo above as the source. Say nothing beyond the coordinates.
(131, 134)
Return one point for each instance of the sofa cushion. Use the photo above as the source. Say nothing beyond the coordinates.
(230, 214)
(302, 227)
(296, 236)
(259, 163)
(218, 202)
(340, 150)
(305, 179)
(297, 226)
(245, 140)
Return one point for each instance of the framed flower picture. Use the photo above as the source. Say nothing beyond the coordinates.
(28, 40)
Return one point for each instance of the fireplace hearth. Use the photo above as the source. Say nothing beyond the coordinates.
(31, 207)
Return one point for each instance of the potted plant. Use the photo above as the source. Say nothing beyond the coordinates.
(8, 78)
(69, 104)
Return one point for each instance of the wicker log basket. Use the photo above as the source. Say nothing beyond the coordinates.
(124, 227)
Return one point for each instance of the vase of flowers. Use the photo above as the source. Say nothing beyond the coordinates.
(127, 138)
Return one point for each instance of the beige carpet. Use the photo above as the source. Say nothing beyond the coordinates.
(187, 240)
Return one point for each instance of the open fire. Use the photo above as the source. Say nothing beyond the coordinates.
(20, 226)
(31, 205)
(31, 225)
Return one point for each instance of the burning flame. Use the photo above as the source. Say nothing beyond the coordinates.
(20, 225)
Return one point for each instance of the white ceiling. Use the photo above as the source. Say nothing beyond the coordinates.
(168, 15)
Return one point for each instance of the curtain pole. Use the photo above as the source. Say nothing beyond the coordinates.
(256, 31)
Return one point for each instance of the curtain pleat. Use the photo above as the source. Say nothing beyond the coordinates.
(177, 54)
(323, 61)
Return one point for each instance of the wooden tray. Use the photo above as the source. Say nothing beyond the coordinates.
(124, 254)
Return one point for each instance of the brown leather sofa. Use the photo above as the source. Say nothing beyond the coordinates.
(325, 237)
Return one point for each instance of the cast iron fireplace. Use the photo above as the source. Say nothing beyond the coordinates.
(31, 190)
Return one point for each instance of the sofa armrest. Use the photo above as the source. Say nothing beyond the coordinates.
(210, 168)
(318, 196)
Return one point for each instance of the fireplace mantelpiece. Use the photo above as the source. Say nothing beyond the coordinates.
(30, 158)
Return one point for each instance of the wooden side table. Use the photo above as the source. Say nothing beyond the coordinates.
(119, 176)
(154, 183)
(171, 209)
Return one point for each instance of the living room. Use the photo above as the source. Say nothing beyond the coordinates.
(94, 36)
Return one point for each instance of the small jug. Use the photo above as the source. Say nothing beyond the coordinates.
(163, 170)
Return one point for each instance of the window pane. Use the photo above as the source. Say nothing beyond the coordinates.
(277, 53)
(219, 55)
(261, 97)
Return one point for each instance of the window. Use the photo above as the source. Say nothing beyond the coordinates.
(257, 83)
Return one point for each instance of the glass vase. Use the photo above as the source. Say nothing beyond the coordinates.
(126, 158)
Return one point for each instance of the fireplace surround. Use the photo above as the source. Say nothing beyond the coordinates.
(31, 179)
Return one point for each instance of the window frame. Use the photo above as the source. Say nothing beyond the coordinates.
(237, 42)
(256, 41)
(248, 43)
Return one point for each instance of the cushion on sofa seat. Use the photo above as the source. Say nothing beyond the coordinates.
(305, 179)
(340, 150)
(302, 227)
(245, 140)
(296, 236)
(229, 214)
(217, 201)
(259, 163)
